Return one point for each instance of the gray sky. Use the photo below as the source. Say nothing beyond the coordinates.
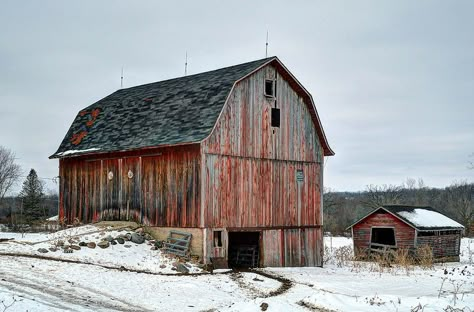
(393, 81)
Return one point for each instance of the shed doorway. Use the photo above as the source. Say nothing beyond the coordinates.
(383, 236)
(244, 249)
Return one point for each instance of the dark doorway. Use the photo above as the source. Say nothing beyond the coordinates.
(244, 249)
(383, 236)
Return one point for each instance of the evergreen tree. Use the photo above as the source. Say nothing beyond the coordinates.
(32, 197)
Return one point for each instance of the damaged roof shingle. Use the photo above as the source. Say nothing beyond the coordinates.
(175, 111)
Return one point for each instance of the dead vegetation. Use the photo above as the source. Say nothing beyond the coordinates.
(385, 260)
(5, 306)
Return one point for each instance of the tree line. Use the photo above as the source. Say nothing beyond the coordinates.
(32, 204)
(342, 209)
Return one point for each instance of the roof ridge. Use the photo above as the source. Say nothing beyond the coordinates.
(201, 73)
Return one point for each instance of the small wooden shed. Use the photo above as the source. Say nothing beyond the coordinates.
(233, 156)
(408, 227)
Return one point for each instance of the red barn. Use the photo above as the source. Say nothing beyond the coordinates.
(408, 227)
(233, 156)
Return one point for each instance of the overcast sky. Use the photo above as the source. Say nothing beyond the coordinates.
(393, 81)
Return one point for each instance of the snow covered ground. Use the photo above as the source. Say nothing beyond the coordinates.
(48, 285)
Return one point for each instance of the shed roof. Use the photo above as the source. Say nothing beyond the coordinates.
(170, 112)
(421, 218)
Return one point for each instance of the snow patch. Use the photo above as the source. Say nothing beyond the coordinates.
(70, 152)
(428, 218)
(54, 218)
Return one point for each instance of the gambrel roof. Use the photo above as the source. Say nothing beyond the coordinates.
(171, 112)
(420, 218)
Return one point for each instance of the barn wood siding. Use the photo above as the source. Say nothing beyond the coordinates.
(248, 192)
(244, 127)
(164, 189)
(292, 247)
(404, 234)
(442, 245)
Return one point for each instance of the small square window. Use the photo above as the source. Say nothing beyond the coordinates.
(275, 117)
(269, 88)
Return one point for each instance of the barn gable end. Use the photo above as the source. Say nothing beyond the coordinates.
(277, 169)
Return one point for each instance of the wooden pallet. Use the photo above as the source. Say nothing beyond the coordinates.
(177, 243)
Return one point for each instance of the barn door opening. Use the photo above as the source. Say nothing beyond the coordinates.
(244, 249)
(383, 236)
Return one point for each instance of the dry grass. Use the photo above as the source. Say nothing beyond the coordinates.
(387, 260)
(424, 256)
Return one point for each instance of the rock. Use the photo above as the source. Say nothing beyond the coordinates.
(153, 248)
(113, 242)
(148, 237)
(182, 268)
(162, 266)
(91, 245)
(60, 243)
(137, 238)
(127, 246)
(127, 237)
(109, 238)
(42, 250)
(120, 240)
(75, 247)
(83, 244)
(209, 267)
(103, 244)
(264, 306)
(53, 249)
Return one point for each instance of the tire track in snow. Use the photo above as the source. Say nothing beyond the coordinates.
(54, 292)
(286, 284)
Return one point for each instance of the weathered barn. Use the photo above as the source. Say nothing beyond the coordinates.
(408, 227)
(233, 156)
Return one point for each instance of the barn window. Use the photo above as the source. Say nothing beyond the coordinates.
(270, 88)
(217, 238)
(275, 117)
(383, 236)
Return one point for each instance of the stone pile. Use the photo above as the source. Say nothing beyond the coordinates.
(138, 237)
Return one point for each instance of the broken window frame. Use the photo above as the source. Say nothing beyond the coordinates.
(271, 94)
(383, 245)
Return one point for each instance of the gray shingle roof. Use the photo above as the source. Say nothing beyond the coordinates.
(175, 111)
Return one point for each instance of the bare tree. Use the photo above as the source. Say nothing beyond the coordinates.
(379, 195)
(330, 200)
(9, 171)
(459, 199)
